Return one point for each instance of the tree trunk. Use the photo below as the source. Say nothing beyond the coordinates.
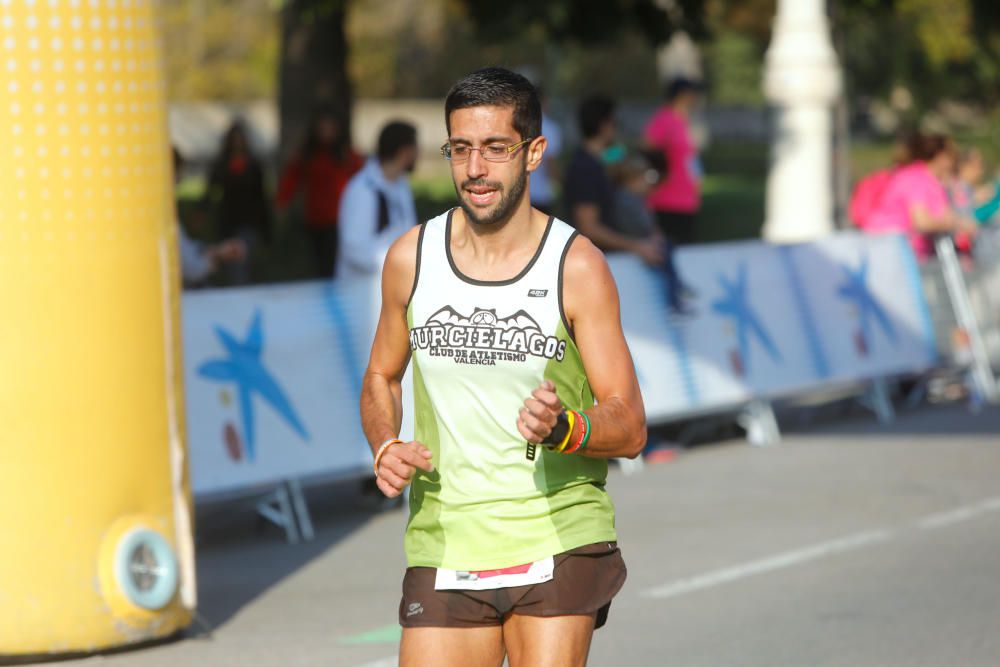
(313, 70)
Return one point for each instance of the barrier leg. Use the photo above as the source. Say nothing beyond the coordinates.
(958, 294)
(277, 508)
(631, 466)
(758, 419)
(301, 509)
(877, 400)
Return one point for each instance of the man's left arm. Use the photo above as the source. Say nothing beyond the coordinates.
(590, 300)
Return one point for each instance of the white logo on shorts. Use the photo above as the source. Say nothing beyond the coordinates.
(415, 608)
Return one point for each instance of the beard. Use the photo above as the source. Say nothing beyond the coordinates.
(504, 209)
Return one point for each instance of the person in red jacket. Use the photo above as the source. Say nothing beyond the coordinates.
(321, 171)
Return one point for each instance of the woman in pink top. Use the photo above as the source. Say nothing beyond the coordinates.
(915, 202)
(677, 198)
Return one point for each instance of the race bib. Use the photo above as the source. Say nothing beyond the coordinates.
(487, 580)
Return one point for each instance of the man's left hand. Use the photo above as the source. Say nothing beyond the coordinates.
(536, 419)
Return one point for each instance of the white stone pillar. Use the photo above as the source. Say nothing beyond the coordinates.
(802, 80)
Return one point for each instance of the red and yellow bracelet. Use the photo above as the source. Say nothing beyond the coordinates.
(580, 441)
(571, 420)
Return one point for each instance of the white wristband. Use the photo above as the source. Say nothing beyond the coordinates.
(384, 446)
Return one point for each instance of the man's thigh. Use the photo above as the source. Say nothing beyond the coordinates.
(548, 641)
(452, 647)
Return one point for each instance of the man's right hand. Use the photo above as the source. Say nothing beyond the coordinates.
(649, 251)
(397, 465)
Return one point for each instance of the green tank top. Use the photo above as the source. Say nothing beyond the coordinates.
(478, 350)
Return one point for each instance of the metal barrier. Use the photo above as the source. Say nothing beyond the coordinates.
(964, 298)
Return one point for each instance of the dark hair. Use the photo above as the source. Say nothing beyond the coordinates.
(680, 85)
(634, 164)
(236, 128)
(394, 136)
(594, 112)
(925, 147)
(178, 158)
(312, 145)
(496, 86)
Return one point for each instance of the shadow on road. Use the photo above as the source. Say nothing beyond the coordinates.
(926, 420)
(240, 556)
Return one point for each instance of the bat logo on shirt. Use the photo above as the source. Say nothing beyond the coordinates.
(484, 317)
(484, 337)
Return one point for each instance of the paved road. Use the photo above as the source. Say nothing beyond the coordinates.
(849, 544)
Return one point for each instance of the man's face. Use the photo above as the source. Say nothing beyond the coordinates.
(409, 158)
(489, 192)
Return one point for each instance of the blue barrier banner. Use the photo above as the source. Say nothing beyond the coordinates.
(273, 381)
(273, 374)
(771, 321)
(863, 306)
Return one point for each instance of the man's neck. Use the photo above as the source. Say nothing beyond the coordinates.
(391, 170)
(494, 242)
(595, 146)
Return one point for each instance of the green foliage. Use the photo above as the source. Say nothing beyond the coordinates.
(219, 49)
(588, 21)
(735, 66)
(935, 49)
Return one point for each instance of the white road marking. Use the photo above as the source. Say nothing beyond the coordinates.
(384, 662)
(777, 562)
(816, 551)
(961, 514)
(795, 557)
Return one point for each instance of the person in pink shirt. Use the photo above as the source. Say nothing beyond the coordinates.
(676, 199)
(915, 202)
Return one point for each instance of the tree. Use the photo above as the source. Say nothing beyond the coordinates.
(313, 67)
(934, 50)
(587, 21)
(230, 47)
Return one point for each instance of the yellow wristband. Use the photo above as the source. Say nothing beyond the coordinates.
(571, 417)
(381, 450)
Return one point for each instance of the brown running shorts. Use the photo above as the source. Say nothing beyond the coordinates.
(584, 580)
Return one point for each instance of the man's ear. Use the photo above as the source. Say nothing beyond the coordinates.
(535, 151)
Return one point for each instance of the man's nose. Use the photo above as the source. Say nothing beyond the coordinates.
(476, 166)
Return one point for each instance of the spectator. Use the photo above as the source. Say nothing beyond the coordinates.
(969, 195)
(915, 201)
(590, 194)
(869, 188)
(677, 199)
(543, 179)
(377, 206)
(634, 178)
(200, 260)
(239, 198)
(321, 171)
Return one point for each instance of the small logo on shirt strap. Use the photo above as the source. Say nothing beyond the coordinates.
(537, 292)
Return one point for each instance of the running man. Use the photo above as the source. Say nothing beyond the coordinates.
(512, 322)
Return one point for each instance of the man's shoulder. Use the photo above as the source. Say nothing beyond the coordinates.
(404, 249)
(401, 259)
(583, 258)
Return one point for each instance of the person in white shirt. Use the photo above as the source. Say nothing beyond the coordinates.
(377, 205)
(543, 179)
(200, 260)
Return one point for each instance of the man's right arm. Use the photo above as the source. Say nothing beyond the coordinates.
(381, 390)
(587, 220)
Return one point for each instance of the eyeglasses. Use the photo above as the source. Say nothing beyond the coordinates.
(491, 152)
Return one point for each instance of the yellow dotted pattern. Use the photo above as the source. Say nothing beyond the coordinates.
(89, 337)
(81, 119)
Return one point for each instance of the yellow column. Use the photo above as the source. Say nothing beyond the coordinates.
(95, 535)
